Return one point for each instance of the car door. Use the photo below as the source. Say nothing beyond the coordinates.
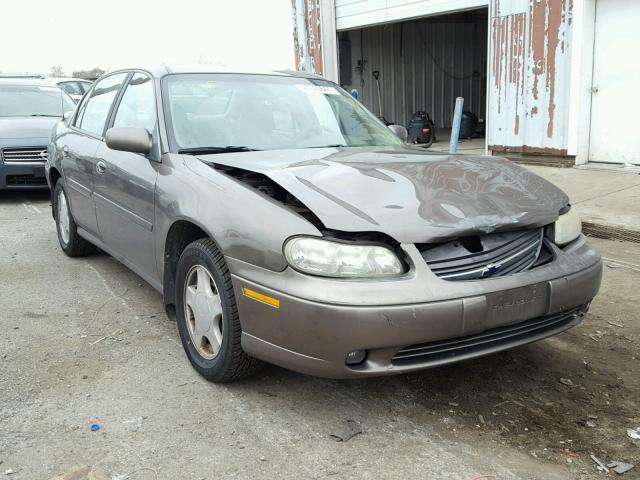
(125, 181)
(79, 146)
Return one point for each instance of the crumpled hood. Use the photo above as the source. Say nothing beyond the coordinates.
(26, 127)
(411, 195)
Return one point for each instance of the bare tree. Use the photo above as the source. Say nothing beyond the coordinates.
(89, 74)
(56, 71)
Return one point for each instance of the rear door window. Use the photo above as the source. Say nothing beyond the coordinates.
(71, 88)
(84, 86)
(95, 109)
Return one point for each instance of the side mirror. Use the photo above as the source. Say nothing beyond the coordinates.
(400, 132)
(134, 140)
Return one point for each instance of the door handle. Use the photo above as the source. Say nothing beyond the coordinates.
(101, 167)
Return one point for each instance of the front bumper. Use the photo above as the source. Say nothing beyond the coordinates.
(411, 322)
(22, 175)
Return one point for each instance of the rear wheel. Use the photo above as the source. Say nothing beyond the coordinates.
(208, 316)
(71, 243)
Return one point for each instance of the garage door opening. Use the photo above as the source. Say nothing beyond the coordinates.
(421, 65)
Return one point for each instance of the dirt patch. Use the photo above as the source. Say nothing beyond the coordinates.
(83, 342)
(562, 399)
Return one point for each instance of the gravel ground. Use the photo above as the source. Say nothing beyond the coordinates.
(86, 341)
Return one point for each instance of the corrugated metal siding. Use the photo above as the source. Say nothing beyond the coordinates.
(424, 65)
(530, 76)
(360, 13)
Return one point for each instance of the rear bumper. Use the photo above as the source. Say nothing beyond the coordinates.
(318, 321)
(22, 175)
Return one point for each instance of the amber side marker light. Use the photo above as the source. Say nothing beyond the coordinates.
(261, 297)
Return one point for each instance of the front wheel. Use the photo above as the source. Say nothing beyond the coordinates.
(71, 243)
(208, 316)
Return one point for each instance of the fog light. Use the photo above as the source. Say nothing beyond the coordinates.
(356, 357)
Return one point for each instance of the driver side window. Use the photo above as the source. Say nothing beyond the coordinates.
(137, 108)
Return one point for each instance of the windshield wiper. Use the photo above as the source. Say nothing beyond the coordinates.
(213, 150)
(336, 145)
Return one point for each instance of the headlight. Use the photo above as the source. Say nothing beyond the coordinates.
(333, 259)
(567, 228)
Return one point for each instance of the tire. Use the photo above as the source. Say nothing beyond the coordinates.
(217, 353)
(71, 243)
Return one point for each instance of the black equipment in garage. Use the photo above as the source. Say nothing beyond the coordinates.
(422, 129)
(468, 125)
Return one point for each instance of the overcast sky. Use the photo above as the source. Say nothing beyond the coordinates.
(81, 34)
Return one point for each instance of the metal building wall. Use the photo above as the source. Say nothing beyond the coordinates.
(423, 65)
(531, 106)
(530, 76)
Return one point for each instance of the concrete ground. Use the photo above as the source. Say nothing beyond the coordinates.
(602, 195)
(86, 341)
(469, 146)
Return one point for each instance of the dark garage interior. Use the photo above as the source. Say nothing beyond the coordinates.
(421, 65)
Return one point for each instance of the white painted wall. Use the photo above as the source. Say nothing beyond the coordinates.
(581, 73)
(615, 102)
(358, 13)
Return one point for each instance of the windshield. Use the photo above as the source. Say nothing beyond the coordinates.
(33, 100)
(266, 112)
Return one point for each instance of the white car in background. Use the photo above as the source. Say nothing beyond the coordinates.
(74, 87)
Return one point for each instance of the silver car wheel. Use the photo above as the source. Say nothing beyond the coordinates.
(203, 312)
(63, 217)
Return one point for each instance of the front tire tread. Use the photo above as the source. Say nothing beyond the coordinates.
(77, 246)
(238, 365)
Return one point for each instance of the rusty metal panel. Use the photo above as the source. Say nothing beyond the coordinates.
(530, 76)
(423, 65)
(307, 35)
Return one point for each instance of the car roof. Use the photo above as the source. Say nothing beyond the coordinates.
(68, 79)
(32, 81)
(162, 70)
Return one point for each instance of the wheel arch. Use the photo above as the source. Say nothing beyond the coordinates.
(180, 234)
(54, 176)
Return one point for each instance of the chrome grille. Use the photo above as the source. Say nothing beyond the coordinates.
(484, 256)
(25, 154)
